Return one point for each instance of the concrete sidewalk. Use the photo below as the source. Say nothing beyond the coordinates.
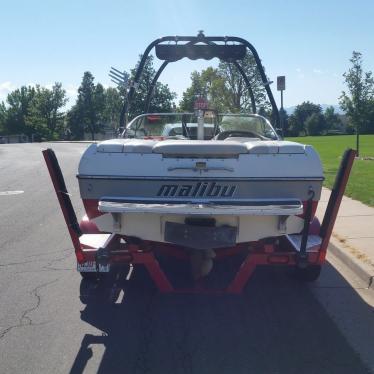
(352, 240)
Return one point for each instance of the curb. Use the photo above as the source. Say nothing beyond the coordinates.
(364, 272)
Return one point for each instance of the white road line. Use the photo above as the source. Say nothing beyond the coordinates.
(5, 193)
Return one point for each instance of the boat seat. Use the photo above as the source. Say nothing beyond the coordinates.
(126, 146)
(200, 148)
(241, 139)
(291, 147)
(111, 146)
(139, 146)
(262, 147)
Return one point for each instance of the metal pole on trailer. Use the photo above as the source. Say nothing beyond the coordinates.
(64, 201)
(335, 199)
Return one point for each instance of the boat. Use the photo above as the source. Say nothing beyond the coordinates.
(199, 199)
(201, 180)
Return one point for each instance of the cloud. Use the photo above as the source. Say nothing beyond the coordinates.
(318, 71)
(5, 88)
(71, 94)
(49, 86)
(71, 90)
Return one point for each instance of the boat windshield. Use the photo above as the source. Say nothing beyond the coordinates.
(185, 126)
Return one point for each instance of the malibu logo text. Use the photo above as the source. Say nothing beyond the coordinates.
(200, 189)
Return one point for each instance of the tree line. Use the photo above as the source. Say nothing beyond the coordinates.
(39, 111)
(310, 119)
(357, 103)
(226, 91)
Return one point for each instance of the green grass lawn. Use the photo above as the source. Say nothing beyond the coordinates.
(331, 148)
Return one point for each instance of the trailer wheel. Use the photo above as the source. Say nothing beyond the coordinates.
(308, 274)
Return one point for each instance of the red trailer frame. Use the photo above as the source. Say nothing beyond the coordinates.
(306, 252)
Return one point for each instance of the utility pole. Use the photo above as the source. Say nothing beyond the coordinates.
(281, 86)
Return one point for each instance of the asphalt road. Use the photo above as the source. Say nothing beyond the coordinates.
(276, 326)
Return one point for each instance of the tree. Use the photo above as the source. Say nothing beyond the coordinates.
(88, 112)
(34, 111)
(208, 84)
(112, 108)
(99, 108)
(333, 121)
(74, 125)
(237, 95)
(315, 124)
(18, 109)
(45, 117)
(225, 88)
(297, 121)
(293, 126)
(370, 117)
(284, 120)
(356, 103)
(196, 89)
(3, 113)
(162, 98)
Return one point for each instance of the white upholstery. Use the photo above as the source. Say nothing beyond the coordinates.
(274, 146)
(126, 146)
(111, 146)
(262, 147)
(139, 146)
(291, 147)
(200, 148)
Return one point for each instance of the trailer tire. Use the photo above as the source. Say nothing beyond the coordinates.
(308, 274)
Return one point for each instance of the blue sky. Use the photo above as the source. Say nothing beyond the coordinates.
(308, 41)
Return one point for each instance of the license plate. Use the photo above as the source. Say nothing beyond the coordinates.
(200, 237)
(90, 267)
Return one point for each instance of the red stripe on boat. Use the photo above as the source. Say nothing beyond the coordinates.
(91, 207)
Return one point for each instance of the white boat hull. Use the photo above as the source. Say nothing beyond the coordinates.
(260, 195)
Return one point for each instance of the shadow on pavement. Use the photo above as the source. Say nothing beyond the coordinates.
(276, 326)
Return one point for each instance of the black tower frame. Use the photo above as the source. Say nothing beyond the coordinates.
(207, 41)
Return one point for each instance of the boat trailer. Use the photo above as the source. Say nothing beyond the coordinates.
(97, 252)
